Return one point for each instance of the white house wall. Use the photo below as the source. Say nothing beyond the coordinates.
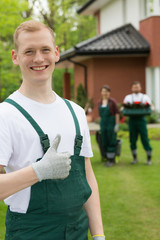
(111, 16)
(153, 85)
(133, 12)
(119, 12)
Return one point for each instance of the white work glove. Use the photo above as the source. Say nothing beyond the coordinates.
(116, 128)
(53, 165)
(98, 238)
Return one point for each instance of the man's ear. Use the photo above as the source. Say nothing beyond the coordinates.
(57, 54)
(14, 57)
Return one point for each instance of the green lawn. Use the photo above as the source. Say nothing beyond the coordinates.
(3, 209)
(130, 195)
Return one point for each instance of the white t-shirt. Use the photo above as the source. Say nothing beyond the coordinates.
(139, 97)
(20, 143)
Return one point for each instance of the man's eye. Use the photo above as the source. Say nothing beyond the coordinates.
(46, 50)
(29, 52)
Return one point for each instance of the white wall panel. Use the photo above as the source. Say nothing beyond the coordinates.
(153, 85)
(119, 12)
(111, 16)
(133, 12)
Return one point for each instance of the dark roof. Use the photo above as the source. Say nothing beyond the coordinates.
(124, 40)
(84, 6)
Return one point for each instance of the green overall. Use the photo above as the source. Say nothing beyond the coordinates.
(108, 136)
(138, 125)
(55, 209)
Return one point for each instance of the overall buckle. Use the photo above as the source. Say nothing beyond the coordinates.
(78, 144)
(45, 142)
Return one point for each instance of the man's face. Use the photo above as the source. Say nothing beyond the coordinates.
(136, 88)
(36, 55)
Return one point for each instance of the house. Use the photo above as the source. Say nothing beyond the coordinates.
(126, 49)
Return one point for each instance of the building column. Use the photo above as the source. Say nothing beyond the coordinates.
(66, 85)
(157, 88)
(149, 80)
(153, 85)
(147, 8)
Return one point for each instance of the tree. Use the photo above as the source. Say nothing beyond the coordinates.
(12, 13)
(81, 98)
(60, 15)
(69, 27)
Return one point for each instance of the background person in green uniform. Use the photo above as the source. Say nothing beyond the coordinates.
(109, 124)
(138, 124)
(51, 191)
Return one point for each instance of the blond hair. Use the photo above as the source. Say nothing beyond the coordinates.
(30, 26)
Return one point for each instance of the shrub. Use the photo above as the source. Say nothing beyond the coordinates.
(123, 126)
(82, 98)
(153, 118)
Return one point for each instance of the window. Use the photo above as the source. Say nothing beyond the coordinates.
(152, 7)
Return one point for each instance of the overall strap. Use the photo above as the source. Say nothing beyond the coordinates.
(79, 137)
(132, 98)
(43, 137)
(142, 98)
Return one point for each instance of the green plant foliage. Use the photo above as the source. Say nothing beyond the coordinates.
(153, 133)
(58, 81)
(123, 134)
(123, 126)
(11, 15)
(81, 98)
(153, 118)
(69, 27)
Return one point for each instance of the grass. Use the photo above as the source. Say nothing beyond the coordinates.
(130, 196)
(153, 133)
(3, 209)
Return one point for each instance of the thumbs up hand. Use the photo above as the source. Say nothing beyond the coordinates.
(53, 165)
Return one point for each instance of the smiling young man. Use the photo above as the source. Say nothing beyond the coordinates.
(51, 191)
(137, 123)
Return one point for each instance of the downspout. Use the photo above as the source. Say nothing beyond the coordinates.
(85, 73)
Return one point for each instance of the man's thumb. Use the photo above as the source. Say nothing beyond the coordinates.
(56, 142)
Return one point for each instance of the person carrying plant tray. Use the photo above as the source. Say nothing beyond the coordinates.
(136, 106)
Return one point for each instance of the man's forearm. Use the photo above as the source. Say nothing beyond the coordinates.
(92, 206)
(117, 118)
(53, 165)
(11, 183)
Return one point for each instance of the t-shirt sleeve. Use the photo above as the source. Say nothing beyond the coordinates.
(115, 107)
(127, 99)
(86, 150)
(147, 99)
(5, 142)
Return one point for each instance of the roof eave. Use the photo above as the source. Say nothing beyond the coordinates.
(84, 6)
(117, 51)
(132, 52)
(69, 53)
